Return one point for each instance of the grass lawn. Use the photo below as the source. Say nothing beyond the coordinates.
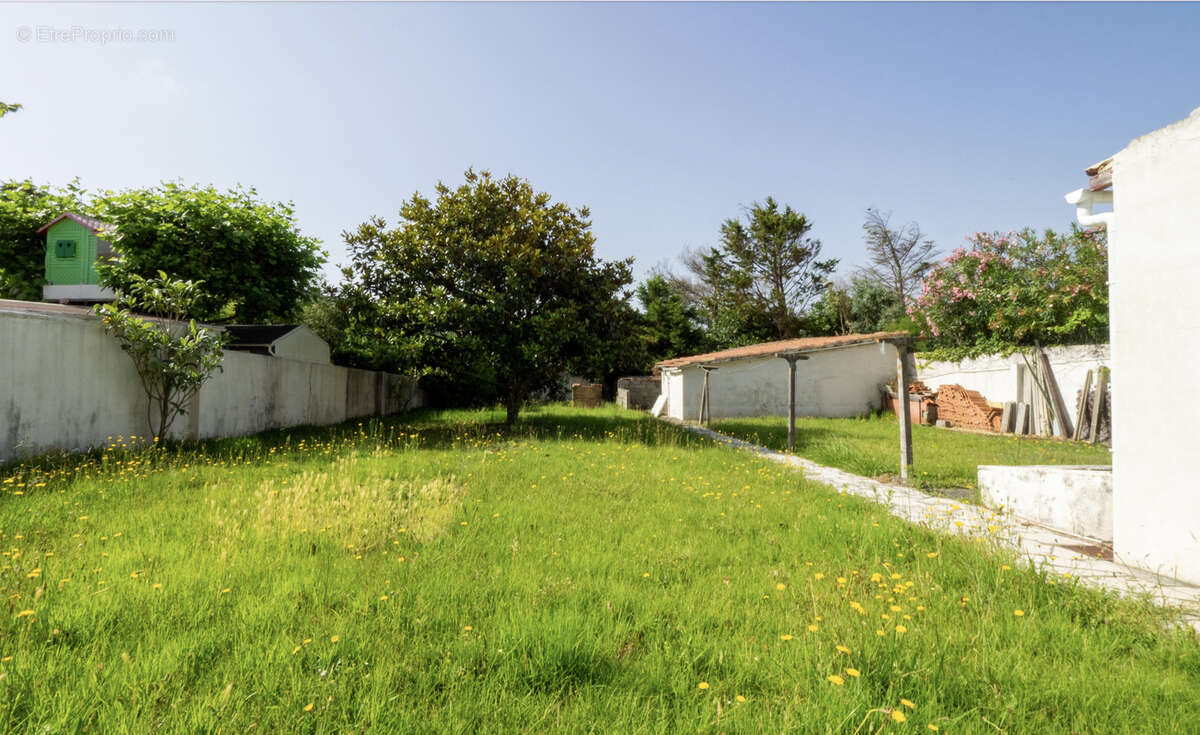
(941, 458)
(589, 571)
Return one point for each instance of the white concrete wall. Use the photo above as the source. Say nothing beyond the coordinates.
(65, 384)
(996, 377)
(1154, 311)
(834, 383)
(1077, 499)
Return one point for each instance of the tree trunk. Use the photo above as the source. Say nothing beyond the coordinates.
(512, 405)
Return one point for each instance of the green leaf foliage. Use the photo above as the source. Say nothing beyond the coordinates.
(24, 207)
(173, 357)
(492, 273)
(758, 283)
(249, 256)
(1016, 289)
(671, 325)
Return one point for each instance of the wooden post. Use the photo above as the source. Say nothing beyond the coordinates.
(1097, 404)
(902, 410)
(705, 401)
(1081, 409)
(791, 361)
(1061, 415)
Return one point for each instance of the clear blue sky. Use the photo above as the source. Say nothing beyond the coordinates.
(664, 119)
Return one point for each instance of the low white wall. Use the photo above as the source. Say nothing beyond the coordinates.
(832, 383)
(1076, 499)
(65, 384)
(1154, 267)
(996, 378)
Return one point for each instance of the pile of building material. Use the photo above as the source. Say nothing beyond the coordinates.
(966, 409)
(587, 395)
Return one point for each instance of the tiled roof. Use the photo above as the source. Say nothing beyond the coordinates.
(765, 349)
(91, 223)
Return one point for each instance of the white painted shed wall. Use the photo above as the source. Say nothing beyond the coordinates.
(1154, 270)
(833, 383)
(303, 343)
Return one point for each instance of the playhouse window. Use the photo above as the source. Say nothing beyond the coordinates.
(65, 248)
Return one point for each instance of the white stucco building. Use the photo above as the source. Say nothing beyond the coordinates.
(1154, 313)
(840, 377)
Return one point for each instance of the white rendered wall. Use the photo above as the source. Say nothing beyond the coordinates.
(1154, 270)
(303, 343)
(996, 377)
(66, 385)
(833, 383)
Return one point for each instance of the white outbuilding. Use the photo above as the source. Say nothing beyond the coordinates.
(835, 377)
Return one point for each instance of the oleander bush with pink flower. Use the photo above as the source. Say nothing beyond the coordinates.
(1010, 290)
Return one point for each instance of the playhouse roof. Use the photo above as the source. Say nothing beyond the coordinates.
(766, 349)
(91, 223)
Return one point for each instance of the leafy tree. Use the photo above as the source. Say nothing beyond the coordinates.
(490, 272)
(758, 283)
(250, 257)
(862, 307)
(831, 314)
(24, 207)
(1016, 289)
(671, 326)
(873, 307)
(7, 107)
(773, 263)
(173, 358)
(899, 257)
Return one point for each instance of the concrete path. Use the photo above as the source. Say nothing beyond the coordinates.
(1057, 552)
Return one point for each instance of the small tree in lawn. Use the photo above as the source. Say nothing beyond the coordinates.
(173, 358)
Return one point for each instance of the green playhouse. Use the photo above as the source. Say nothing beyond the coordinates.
(73, 244)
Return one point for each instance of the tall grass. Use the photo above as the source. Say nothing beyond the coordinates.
(942, 458)
(586, 571)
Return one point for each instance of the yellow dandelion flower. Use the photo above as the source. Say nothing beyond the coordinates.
(295, 650)
(836, 680)
(812, 629)
(740, 698)
(898, 716)
(781, 586)
(702, 685)
(647, 574)
(843, 649)
(933, 727)
(785, 637)
(1018, 613)
(25, 613)
(819, 575)
(334, 638)
(908, 703)
(901, 629)
(308, 707)
(854, 672)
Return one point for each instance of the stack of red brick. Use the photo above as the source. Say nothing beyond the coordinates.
(966, 409)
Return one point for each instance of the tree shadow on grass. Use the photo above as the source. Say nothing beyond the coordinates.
(419, 429)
